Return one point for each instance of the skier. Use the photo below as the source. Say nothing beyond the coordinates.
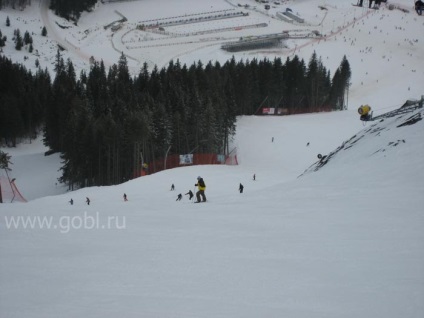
(254, 177)
(180, 196)
(419, 7)
(172, 187)
(71, 202)
(87, 200)
(241, 187)
(202, 187)
(125, 197)
(190, 194)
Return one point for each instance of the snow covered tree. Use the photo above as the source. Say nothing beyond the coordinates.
(340, 86)
(2, 40)
(71, 9)
(318, 86)
(27, 38)
(19, 43)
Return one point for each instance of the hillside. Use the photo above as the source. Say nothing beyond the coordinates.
(345, 241)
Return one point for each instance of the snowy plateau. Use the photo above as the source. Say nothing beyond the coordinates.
(308, 238)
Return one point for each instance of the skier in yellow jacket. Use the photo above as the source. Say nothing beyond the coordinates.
(202, 187)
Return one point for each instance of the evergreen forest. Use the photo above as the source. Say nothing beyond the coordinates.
(15, 4)
(105, 122)
(68, 9)
(71, 10)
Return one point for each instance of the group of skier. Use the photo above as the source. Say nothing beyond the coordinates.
(375, 4)
(87, 200)
(200, 194)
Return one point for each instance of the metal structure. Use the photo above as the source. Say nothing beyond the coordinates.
(255, 42)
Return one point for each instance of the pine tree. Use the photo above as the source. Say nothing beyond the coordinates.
(63, 94)
(5, 161)
(27, 38)
(12, 125)
(346, 74)
(44, 31)
(7, 21)
(18, 40)
(2, 40)
(295, 84)
(340, 86)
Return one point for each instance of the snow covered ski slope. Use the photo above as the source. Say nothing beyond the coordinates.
(345, 241)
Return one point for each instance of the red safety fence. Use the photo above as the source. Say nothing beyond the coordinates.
(9, 192)
(173, 161)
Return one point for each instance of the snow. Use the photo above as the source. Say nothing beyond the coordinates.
(36, 174)
(344, 241)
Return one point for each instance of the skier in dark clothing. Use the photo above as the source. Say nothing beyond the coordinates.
(125, 197)
(190, 194)
(241, 187)
(419, 7)
(71, 201)
(180, 196)
(202, 187)
(172, 187)
(87, 201)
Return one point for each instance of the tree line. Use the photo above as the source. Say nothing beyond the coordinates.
(23, 98)
(15, 4)
(105, 122)
(67, 9)
(71, 10)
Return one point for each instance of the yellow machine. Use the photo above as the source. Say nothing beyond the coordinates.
(365, 112)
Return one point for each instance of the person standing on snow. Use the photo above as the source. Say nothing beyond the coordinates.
(241, 187)
(201, 192)
(419, 7)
